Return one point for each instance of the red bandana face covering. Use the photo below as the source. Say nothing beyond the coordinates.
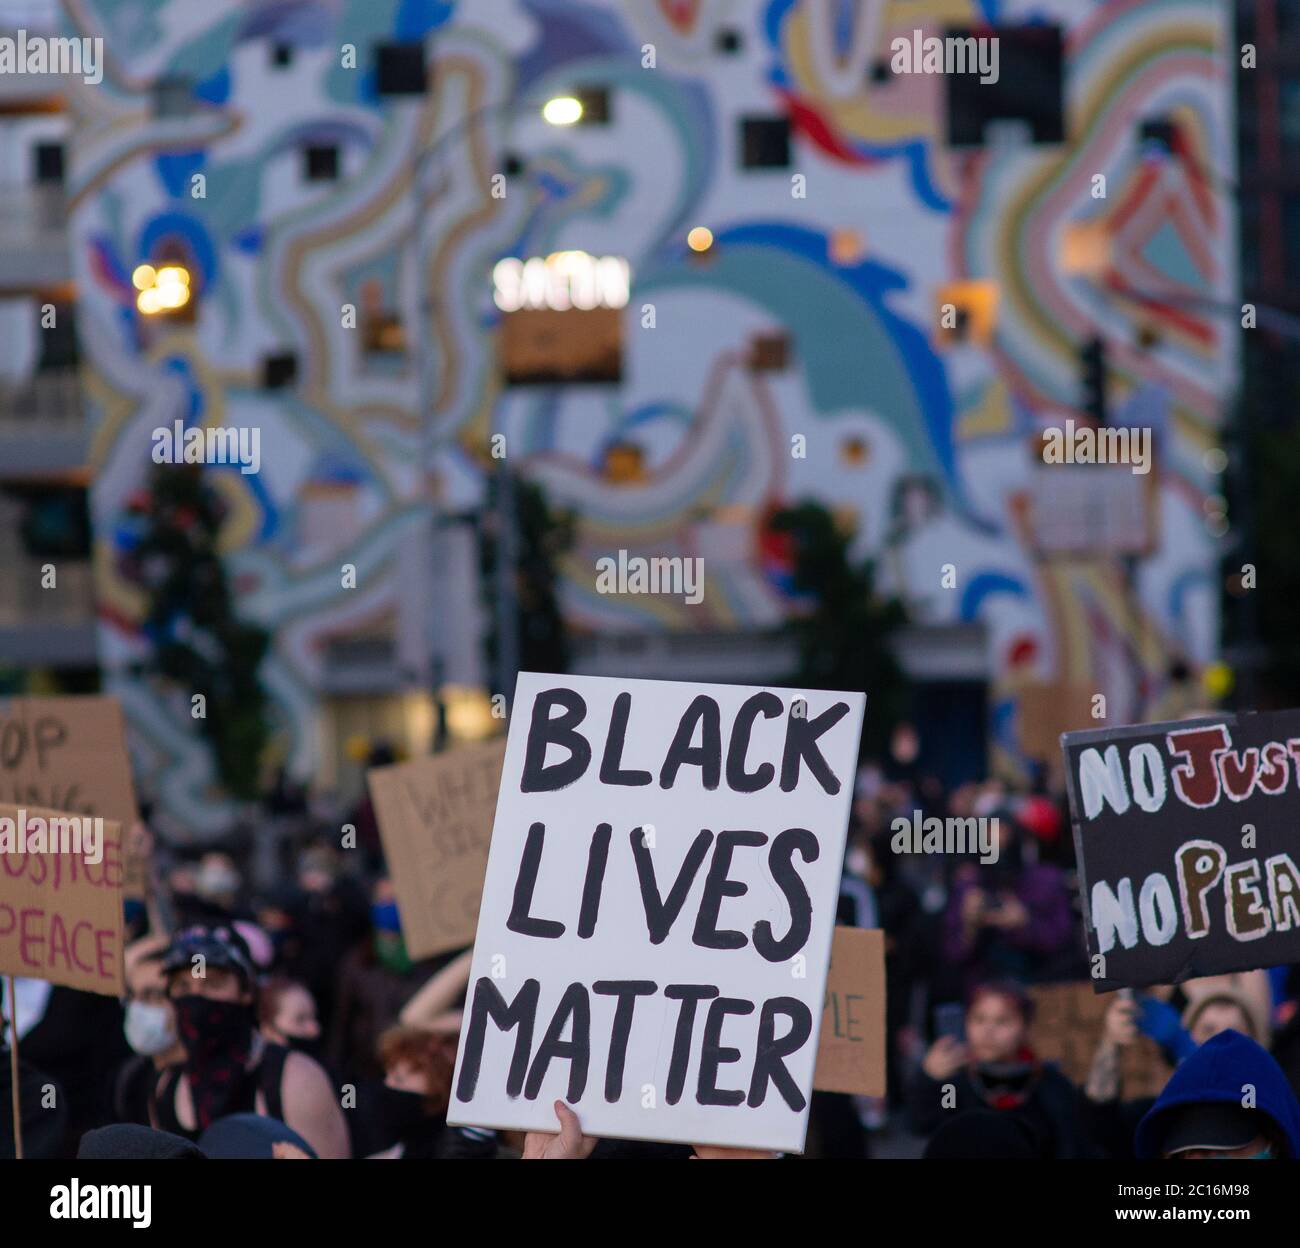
(1007, 1085)
(218, 1038)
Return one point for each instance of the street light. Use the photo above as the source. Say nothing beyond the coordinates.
(560, 111)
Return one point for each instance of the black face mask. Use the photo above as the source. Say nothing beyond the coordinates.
(212, 1030)
(218, 1039)
(402, 1115)
(311, 1047)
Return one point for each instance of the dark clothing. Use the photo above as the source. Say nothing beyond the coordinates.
(370, 997)
(79, 1043)
(266, 1077)
(42, 1108)
(130, 1141)
(1050, 1106)
(132, 1092)
(1216, 1073)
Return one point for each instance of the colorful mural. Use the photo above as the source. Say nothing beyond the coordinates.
(850, 267)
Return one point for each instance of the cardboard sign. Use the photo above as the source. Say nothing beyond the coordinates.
(657, 915)
(1068, 1024)
(61, 901)
(69, 754)
(851, 1048)
(1188, 840)
(435, 820)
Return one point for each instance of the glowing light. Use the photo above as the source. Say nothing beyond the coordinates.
(562, 281)
(161, 290)
(563, 110)
(700, 238)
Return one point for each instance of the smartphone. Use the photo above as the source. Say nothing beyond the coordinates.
(950, 1020)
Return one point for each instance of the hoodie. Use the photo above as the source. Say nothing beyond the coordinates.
(1218, 1072)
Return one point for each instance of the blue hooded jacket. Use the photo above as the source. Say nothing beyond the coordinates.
(1218, 1071)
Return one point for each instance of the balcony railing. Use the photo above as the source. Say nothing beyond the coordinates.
(42, 425)
(33, 236)
(24, 603)
(43, 402)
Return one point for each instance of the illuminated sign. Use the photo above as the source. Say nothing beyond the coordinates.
(561, 282)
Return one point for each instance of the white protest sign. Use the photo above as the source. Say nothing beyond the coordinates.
(656, 921)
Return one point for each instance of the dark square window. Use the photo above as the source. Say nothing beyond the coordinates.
(49, 163)
(58, 341)
(173, 96)
(282, 55)
(1029, 88)
(512, 165)
(595, 105)
(729, 42)
(279, 371)
(399, 69)
(880, 72)
(320, 162)
(765, 142)
(1157, 135)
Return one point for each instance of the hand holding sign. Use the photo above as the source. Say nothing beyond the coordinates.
(652, 944)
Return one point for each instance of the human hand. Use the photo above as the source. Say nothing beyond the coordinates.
(568, 1145)
(946, 1057)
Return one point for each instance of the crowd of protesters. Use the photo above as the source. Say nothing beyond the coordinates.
(286, 1020)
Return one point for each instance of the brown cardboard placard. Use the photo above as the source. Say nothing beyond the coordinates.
(60, 912)
(851, 1046)
(1068, 1023)
(69, 754)
(435, 819)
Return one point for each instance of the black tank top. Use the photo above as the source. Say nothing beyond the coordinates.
(266, 1077)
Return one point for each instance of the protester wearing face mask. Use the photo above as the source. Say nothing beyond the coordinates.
(1214, 1004)
(995, 1068)
(405, 1116)
(1199, 1116)
(228, 1067)
(287, 1016)
(150, 1028)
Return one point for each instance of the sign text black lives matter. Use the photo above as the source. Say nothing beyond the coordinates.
(656, 922)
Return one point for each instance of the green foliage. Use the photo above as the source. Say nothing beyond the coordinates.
(199, 642)
(844, 631)
(542, 536)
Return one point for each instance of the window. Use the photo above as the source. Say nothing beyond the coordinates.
(769, 353)
(595, 105)
(382, 333)
(279, 371)
(49, 164)
(281, 55)
(765, 142)
(1029, 88)
(399, 69)
(320, 162)
(1157, 135)
(512, 165)
(58, 341)
(729, 42)
(173, 96)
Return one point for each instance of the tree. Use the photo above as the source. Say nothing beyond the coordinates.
(541, 537)
(199, 642)
(844, 628)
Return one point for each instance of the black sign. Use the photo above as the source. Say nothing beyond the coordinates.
(1188, 839)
